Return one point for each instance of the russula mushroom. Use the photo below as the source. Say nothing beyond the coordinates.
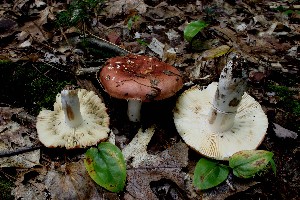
(138, 79)
(222, 119)
(79, 120)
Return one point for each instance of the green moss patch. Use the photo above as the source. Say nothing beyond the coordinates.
(5, 189)
(32, 86)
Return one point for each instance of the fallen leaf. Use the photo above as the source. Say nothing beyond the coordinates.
(163, 11)
(216, 52)
(157, 47)
(124, 7)
(35, 28)
(283, 132)
(167, 164)
(229, 188)
(67, 181)
(7, 27)
(136, 150)
(14, 136)
(26, 43)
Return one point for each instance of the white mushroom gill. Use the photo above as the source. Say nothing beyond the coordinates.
(71, 107)
(221, 119)
(231, 87)
(79, 119)
(134, 110)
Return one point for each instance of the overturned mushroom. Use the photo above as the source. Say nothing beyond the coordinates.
(222, 119)
(138, 79)
(79, 120)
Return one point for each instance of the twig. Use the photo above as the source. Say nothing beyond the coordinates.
(20, 151)
(88, 70)
(102, 43)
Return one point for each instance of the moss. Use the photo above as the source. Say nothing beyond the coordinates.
(78, 12)
(31, 86)
(4, 61)
(286, 98)
(5, 189)
(287, 103)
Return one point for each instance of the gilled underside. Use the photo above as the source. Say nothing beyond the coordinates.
(191, 120)
(54, 131)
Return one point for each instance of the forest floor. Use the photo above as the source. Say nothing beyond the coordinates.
(40, 54)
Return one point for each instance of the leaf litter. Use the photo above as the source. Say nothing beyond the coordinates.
(15, 135)
(265, 35)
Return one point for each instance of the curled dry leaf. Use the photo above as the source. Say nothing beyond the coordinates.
(15, 135)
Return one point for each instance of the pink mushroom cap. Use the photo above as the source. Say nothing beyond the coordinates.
(140, 77)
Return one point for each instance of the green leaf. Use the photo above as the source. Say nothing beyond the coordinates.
(193, 28)
(246, 164)
(132, 20)
(273, 165)
(106, 166)
(209, 173)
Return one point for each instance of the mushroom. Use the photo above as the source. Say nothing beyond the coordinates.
(222, 119)
(79, 120)
(138, 79)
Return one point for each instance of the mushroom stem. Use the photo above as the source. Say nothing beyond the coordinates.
(231, 87)
(134, 110)
(71, 107)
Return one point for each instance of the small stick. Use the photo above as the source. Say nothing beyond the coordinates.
(19, 151)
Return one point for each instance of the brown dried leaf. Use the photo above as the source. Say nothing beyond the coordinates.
(35, 28)
(163, 11)
(7, 27)
(138, 186)
(68, 181)
(29, 185)
(148, 168)
(15, 135)
(124, 7)
(227, 189)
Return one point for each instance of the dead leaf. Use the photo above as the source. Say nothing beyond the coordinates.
(215, 52)
(7, 27)
(157, 47)
(67, 181)
(70, 181)
(15, 135)
(163, 11)
(138, 186)
(136, 150)
(148, 168)
(283, 132)
(35, 28)
(124, 7)
(229, 188)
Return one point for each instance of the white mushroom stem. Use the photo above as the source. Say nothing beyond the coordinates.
(71, 107)
(134, 110)
(231, 87)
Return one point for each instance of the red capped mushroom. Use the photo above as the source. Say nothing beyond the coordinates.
(138, 79)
